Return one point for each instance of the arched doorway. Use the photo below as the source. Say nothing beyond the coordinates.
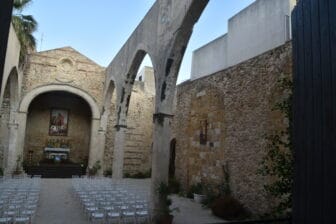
(78, 109)
(58, 130)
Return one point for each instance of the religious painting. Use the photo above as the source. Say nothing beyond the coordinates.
(58, 122)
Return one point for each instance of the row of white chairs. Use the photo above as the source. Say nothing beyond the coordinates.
(108, 201)
(19, 199)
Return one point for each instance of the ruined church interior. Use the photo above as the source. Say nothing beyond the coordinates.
(132, 129)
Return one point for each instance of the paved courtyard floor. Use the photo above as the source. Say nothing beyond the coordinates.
(58, 206)
(191, 212)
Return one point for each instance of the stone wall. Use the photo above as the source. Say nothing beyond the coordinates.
(4, 120)
(223, 118)
(138, 139)
(110, 133)
(64, 66)
(79, 126)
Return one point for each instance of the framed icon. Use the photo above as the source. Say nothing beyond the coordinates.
(58, 122)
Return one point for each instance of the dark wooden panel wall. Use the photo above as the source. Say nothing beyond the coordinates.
(314, 50)
(5, 18)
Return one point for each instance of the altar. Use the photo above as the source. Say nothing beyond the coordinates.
(56, 154)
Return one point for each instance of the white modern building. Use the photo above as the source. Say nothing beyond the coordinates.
(260, 27)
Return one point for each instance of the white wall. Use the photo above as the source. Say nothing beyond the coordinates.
(147, 76)
(210, 58)
(260, 27)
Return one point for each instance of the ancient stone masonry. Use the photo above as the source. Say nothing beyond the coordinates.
(138, 141)
(67, 68)
(223, 118)
(64, 66)
(37, 133)
(4, 119)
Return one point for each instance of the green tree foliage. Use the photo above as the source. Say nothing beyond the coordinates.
(278, 161)
(25, 26)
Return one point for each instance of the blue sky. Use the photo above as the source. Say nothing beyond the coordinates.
(99, 28)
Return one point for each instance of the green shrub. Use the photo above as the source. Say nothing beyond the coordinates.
(182, 194)
(165, 201)
(224, 187)
(108, 172)
(211, 196)
(18, 167)
(95, 168)
(278, 162)
(148, 173)
(195, 189)
(174, 185)
(229, 208)
(127, 175)
(138, 175)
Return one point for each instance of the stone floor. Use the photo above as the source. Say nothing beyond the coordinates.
(57, 206)
(191, 212)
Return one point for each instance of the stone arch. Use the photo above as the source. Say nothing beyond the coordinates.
(8, 107)
(172, 59)
(95, 149)
(108, 94)
(12, 85)
(13, 80)
(128, 84)
(25, 102)
(123, 102)
(166, 30)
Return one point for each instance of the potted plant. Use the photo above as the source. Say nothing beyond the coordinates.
(197, 191)
(95, 168)
(108, 172)
(18, 168)
(174, 185)
(165, 216)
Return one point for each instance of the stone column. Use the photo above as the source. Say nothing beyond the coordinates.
(17, 133)
(96, 145)
(10, 154)
(118, 153)
(160, 155)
